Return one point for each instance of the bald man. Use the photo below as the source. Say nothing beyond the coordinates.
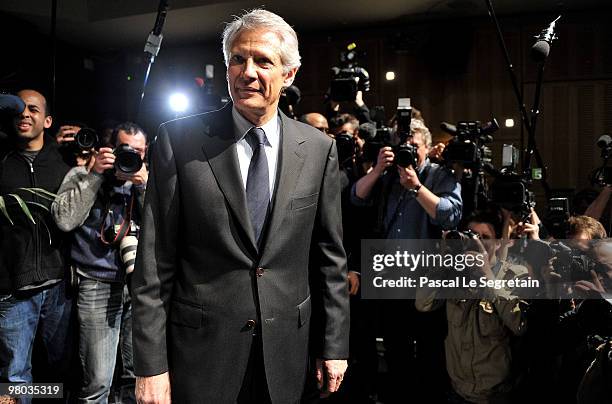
(33, 298)
(316, 120)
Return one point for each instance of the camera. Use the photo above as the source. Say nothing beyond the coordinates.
(405, 153)
(346, 146)
(556, 218)
(572, 264)
(603, 175)
(511, 191)
(348, 77)
(468, 146)
(127, 159)
(86, 139)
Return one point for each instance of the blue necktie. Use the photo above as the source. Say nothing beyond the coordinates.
(257, 187)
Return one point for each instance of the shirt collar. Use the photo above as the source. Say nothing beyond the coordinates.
(242, 126)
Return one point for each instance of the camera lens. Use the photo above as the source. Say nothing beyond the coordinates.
(86, 138)
(127, 160)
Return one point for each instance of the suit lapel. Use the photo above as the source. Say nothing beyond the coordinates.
(220, 150)
(289, 167)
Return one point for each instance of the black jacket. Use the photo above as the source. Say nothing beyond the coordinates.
(31, 253)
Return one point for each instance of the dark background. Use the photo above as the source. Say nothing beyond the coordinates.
(445, 56)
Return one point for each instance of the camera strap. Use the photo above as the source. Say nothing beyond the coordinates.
(124, 228)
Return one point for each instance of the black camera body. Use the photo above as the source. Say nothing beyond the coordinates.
(127, 159)
(346, 146)
(570, 263)
(603, 175)
(86, 139)
(405, 153)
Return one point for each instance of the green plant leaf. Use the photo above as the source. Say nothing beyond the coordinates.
(43, 193)
(4, 211)
(24, 207)
(38, 204)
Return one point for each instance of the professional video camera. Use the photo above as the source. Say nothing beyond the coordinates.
(405, 153)
(603, 175)
(348, 77)
(468, 146)
(510, 190)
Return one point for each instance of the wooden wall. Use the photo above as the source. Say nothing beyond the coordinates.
(455, 70)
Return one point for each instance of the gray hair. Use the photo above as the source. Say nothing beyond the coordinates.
(417, 125)
(259, 18)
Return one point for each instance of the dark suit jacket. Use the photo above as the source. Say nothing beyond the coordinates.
(201, 280)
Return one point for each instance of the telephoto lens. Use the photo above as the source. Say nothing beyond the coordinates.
(128, 247)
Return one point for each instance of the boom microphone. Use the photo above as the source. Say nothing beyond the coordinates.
(11, 104)
(540, 50)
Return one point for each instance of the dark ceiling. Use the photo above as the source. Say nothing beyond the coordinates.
(112, 24)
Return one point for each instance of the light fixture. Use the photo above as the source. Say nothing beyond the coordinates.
(178, 102)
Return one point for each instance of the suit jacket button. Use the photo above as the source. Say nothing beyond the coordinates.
(259, 272)
(250, 324)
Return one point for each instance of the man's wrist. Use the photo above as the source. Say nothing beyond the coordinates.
(414, 191)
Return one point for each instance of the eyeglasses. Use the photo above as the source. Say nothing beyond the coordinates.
(323, 129)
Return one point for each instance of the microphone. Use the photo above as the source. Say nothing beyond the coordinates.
(540, 50)
(11, 104)
(448, 127)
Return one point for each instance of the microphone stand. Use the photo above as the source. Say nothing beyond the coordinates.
(152, 46)
(530, 124)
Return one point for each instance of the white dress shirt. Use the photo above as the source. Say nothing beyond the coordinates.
(245, 151)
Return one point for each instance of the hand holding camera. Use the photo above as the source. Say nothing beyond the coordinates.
(105, 160)
(384, 160)
(408, 177)
(66, 133)
(125, 161)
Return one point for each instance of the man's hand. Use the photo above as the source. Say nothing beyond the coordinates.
(408, 177)
(435, 153)
(353, 283)
(153, 389)
(384, 160)
(105, 160)
(138, 178)
(66, 133)
(330, 373)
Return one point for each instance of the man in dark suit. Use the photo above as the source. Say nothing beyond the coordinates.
(242, 241)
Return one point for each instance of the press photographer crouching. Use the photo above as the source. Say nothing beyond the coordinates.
(480, 329)
(102, 206)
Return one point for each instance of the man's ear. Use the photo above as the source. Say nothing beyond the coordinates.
(289, 77)
(48, 122)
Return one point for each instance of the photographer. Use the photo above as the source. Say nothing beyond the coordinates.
(102, 206)
(34, 303)
(478, 345)
(413, 202)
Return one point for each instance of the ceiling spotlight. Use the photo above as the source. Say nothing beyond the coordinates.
(178, 102)
(509, 123)
(390, 76)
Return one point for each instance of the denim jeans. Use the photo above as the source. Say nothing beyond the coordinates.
(25, 316)
(100, 308)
